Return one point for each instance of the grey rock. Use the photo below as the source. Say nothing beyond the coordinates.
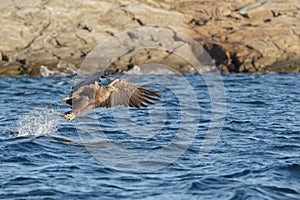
(240, 36)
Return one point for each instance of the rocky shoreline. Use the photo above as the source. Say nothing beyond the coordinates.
(239, 35)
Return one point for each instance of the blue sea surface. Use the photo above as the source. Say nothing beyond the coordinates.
(257, 155)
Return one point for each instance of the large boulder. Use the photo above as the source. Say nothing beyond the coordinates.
(240, 36)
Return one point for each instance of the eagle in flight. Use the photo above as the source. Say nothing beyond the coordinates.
(90, 94)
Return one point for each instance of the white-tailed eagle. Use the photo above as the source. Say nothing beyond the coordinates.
(90, 94)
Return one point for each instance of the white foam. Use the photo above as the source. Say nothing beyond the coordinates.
(153, 69)
(45, 72)
(62, 69)
(39, 121)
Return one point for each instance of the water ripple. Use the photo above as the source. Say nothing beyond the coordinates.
(256, 156)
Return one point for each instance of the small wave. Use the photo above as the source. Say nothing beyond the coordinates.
(40, 121)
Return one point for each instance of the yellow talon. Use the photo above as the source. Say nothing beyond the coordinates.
(69, 116)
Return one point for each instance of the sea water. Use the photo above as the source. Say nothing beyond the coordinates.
(256, 156)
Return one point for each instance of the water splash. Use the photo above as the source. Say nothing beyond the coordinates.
(39, 121)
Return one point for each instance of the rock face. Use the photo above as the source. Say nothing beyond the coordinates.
(240, 36)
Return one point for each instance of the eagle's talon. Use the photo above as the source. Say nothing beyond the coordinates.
(69, 116)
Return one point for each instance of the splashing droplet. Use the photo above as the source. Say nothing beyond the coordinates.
(40, 121)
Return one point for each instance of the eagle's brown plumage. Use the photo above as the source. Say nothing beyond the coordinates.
(119, 92)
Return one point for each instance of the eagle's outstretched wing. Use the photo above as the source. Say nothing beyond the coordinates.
(128, 94)
(97, 77)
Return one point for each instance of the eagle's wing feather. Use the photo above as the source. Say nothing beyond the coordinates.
(130, 95)
(97, 77)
